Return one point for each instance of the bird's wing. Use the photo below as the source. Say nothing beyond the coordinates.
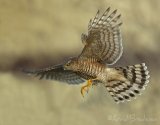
(104, 41)
(57, 73)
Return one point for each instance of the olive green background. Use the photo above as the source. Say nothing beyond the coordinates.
(39, 33)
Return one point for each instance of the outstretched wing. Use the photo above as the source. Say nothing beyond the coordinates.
(104, 41)
(57, 73)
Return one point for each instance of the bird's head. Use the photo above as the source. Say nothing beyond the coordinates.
(71, 64)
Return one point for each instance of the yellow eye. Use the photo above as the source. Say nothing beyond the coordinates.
(68, 63)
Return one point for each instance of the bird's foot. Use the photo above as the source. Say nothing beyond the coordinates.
(86, 87)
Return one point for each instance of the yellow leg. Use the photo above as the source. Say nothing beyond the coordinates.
(86, 87)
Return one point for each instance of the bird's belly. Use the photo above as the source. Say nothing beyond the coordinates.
(102, 77)
(86, 76)
(92, 71)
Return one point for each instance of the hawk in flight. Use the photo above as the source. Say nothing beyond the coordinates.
(102, 47)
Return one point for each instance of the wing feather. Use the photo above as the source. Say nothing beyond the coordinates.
(57, 73)
(104, 42)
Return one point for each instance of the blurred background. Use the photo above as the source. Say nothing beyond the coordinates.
(40, 33)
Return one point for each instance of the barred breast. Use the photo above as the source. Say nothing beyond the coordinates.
(92, 70)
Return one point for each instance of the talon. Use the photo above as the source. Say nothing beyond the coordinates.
(86, 87)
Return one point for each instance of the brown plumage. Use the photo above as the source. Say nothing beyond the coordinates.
(103, 47)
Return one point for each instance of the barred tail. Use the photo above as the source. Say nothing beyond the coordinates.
(128, 82)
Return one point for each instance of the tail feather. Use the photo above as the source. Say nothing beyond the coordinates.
(128, 82)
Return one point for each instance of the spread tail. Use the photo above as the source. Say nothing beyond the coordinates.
(125, 82)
